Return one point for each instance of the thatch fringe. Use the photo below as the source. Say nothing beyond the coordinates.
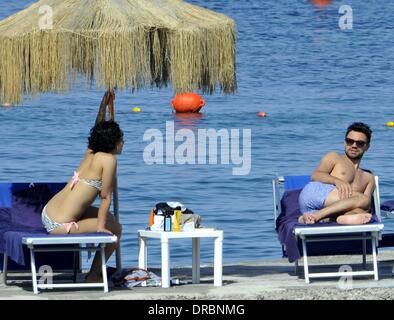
(118, 44)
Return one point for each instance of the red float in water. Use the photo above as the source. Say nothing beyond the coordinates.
(262, 114)
(188, 102)
(321, 3)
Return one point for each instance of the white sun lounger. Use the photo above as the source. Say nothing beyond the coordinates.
(57, 244)
(307, 234)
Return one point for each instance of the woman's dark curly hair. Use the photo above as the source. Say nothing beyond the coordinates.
(104, 136)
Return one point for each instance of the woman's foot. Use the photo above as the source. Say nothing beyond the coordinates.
(307, 218)
(358, 218)
(93, 278)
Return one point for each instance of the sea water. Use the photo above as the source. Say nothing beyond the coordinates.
(294, 62)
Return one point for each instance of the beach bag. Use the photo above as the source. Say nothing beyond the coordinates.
(188, 221)
(167, 208)
(135, 277)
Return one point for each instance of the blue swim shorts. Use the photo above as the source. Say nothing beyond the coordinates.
(313, 195)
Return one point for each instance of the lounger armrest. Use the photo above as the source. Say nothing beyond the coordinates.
(303, 231)
(68, 240)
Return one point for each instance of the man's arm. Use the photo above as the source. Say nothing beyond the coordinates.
(368, 192)
(323, 174)
(325, 167)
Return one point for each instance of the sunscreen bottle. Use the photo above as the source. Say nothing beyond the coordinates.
(167, 222)
(177, 219)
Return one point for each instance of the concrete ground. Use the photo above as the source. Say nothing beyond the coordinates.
(262, 280)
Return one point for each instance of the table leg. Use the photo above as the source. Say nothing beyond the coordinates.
(196, 260)
(165, 262)
(142, 253)
(218, 262)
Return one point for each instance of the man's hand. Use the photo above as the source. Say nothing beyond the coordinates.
(344, 189)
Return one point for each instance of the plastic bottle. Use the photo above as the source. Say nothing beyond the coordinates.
(177, 218)
(152, 218)
(167, 222)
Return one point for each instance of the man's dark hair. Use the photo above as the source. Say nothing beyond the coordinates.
(360, 127)
(104, 136)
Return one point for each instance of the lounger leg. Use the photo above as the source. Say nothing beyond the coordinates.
(375, 262)
(75, 264)
(196, 260)
(104, 268)
(5, 268)
(33, 270)
(306, 270)
(365, 251)
(142, 253)
(165, 262)
(296, 267)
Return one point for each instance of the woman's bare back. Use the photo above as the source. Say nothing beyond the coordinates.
(70, 203)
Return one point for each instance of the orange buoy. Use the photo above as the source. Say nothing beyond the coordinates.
(187, 102)
(321, 3)
(261, 114)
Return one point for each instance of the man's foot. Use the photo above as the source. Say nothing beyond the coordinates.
(358, 218)
(307, 218)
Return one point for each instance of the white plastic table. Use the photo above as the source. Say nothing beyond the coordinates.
(196, 235)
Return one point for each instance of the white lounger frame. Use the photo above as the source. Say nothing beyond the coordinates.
(337, 233)
(79, 244)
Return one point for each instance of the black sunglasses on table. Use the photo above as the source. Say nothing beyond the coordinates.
(359, 143)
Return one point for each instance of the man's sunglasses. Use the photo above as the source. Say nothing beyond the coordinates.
(359, 143)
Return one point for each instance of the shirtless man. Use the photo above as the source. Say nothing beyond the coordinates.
(340, 191)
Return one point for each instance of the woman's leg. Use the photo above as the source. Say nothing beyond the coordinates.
(88, 224)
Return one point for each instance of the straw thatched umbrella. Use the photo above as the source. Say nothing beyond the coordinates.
(118, 43)
(115, 44)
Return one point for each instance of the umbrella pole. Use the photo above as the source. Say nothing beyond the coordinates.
(108, 100)
(116, 214)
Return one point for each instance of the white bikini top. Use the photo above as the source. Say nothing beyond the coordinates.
(90, 182)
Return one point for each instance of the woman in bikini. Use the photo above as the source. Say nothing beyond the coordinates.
(70, 210)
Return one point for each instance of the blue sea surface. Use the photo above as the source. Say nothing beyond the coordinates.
(293, 62)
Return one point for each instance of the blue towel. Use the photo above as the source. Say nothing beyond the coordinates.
(5, 195)
(387, 205)
(296, 182)
(21, 208)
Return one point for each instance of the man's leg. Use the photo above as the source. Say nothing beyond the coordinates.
(340, 207)
(355, 216)
(335, 207)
